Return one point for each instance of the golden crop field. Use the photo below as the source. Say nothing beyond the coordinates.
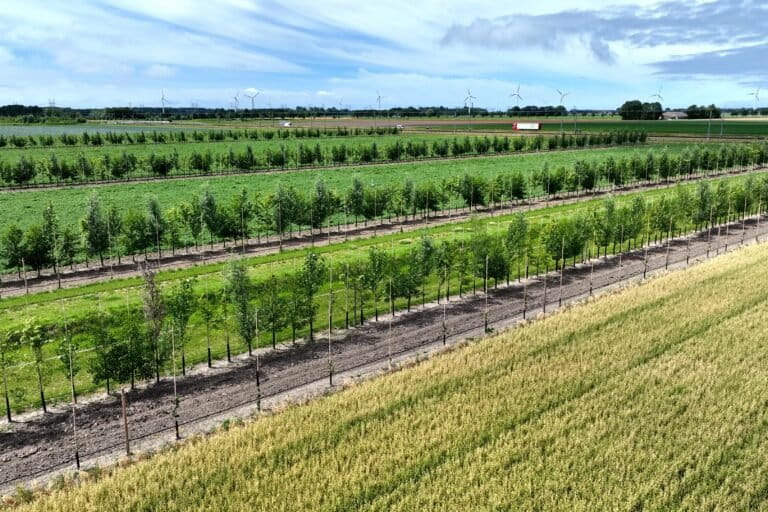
(653, 398)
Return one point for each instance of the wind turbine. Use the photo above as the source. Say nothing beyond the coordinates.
(379, 97)
(658, 95)
(469, 102)
(163, 99)
(517, 96)
(236, 99)
(252, 97)
(563, 95)
(756, 94)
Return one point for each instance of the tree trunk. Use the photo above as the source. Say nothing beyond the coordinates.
(40, 385)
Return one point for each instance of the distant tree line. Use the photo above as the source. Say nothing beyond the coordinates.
(702, 112)
(635, 110)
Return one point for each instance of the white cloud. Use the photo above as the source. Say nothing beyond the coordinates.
(160, 71)
(302, 51)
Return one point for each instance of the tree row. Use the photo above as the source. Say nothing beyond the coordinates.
(180, 136)
(27, 170)
(114, 232)
(134, 342)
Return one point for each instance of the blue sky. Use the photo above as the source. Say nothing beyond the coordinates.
(338, 52)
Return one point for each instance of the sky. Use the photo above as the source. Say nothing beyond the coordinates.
(83, 53)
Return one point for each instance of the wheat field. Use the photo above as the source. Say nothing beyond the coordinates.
(650, 398)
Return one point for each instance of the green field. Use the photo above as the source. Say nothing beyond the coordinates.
(80, 307)
(568, 413)
(681, 127)
(25, 207)
(10, 154)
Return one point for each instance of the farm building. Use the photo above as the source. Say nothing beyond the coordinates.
(674, 115)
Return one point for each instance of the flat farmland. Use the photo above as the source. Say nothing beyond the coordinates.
(661, 128)
(25, 207)
(566, 413)
(109, 301)
(184, 149)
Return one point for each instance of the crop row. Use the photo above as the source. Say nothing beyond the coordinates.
(52, 169)
(97, 139)
(113, 233)
(127, 342)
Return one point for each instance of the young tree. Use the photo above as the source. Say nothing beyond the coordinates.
(115, 230)
(12, 247)
(564, 237)
(425, 263)
(297, 312)
(67, 247)
(157, 223)
(444, 260)
(94, 227)
(272, 307)
(207, 308)
(356, 199)
(517, 240)
(70, 362)
(311, 277)
(51, 233)
(497, 262)
(378, 261)
(322, 204)
(32, 335)
(181, 302)
(192, 214)
(154, 316)
(209, 213)
(407, 277)
(242, 209)
(239, 288)
(288, 208)
(606, 225)
(464, 261)
(37, 251)
(137, 235)
(174, 225)
(8, 345)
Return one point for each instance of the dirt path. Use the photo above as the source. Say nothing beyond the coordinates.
(81, 275)
(43, 443)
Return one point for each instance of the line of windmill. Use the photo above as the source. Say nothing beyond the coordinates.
(469, 100)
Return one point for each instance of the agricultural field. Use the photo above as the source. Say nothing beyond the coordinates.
(451, 259)
(730, 127)
(85, 162)
(70, 203)
(561, 414)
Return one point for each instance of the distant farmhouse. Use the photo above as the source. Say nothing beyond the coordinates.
(674, 115)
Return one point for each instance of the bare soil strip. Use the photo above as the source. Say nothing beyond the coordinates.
(42, 444)
(81, 275)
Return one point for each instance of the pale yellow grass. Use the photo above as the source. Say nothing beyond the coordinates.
(652, 398)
